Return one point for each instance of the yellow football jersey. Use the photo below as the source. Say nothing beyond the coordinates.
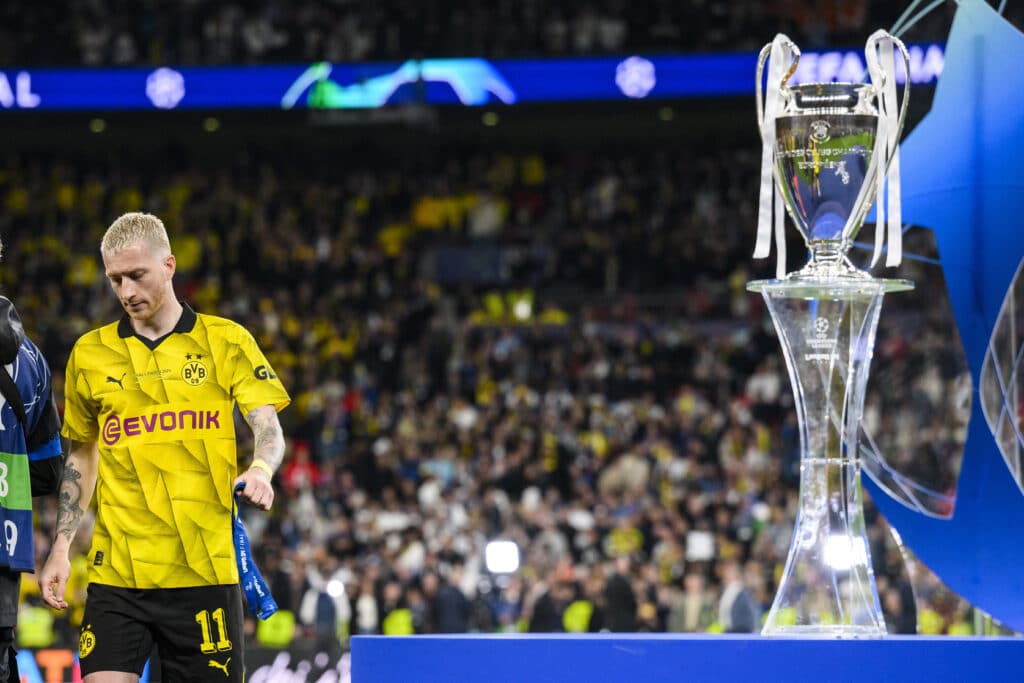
(162, 413)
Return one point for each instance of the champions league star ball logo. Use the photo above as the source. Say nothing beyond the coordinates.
(821, 328)
(819, 131)
(165, 88)
(635, 77)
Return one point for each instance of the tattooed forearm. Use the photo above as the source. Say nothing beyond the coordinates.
(69, 511)
(76, 487)
(267, 435)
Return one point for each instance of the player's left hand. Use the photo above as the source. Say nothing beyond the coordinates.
(258, 489)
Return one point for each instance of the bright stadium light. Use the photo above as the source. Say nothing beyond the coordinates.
(522, 310)
(335, 588)
(501, 557)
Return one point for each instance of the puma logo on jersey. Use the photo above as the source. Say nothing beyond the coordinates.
(217, 665)
(118, 382)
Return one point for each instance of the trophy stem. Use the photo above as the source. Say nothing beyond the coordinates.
(829, 261)
(828, 252)
(827, 333)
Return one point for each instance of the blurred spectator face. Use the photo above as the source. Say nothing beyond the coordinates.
(693, 583)
(140, 278)
(893, 601)
(392, 592)
(730, 573)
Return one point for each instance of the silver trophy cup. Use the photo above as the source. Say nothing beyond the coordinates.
(824, 154)
(830, 149)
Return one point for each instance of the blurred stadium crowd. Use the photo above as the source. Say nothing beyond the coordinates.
(120, 32)
(547, 346)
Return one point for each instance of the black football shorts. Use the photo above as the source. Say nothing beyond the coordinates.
(198, 632)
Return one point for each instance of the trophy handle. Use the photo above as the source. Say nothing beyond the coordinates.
(874, 67)
(906, 84)
(780, 50)
(762, 60)
(882, 69)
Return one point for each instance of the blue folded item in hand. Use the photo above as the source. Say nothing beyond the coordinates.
(257, 594)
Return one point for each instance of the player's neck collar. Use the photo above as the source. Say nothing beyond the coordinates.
(185, 324)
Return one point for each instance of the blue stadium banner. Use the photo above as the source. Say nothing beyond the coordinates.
(463, 81)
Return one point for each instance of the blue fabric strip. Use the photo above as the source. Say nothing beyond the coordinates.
(50, 449)
(257, 594)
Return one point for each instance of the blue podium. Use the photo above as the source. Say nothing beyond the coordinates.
(671, 658)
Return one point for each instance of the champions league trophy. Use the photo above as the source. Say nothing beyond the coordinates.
(831, 148)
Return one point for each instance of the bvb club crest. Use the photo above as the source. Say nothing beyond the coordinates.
(194, 371)
(86, 642)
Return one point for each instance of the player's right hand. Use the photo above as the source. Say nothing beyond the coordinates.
(54, 580)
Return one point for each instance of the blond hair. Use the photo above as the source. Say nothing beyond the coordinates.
(133, 228)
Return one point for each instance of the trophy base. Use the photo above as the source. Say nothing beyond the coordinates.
(797, 286)
(825, 631)
(827, 331)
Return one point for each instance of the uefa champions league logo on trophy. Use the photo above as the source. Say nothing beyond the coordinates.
(821, 328)
(829, 150)
(819, 131)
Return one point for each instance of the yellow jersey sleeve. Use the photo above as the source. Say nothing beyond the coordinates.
(254, 382)
(80, 410)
